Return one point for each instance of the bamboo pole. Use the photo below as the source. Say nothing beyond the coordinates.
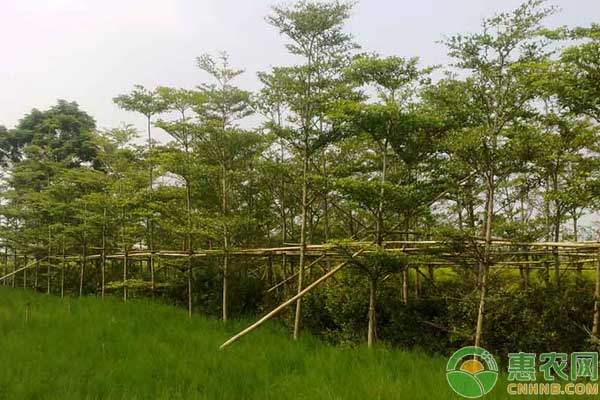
(299, 295)
(19, 270)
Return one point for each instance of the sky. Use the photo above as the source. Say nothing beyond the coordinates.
(89, 51)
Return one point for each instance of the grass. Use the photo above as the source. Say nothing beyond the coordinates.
(93, 349)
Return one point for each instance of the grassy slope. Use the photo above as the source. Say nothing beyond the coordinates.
(87, 348)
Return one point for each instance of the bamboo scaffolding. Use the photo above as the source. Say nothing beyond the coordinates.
(31, 264)
(286, 303)
(433, 248)
(288, 279)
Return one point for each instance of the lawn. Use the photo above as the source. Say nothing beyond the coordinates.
(52, 348)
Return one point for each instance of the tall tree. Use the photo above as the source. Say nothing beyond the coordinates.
(148, 103)
(503, 61)
(224, 143)
(315, 34)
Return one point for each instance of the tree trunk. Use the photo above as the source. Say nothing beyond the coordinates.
(481, 311)
(224, 213)
(62, 268)
(379, 227)
(302, 239)
(35, 275)
(405, 284)
(15, 266)
(372, 334)
(417, 282)
(125, 276)
(484, 266)
(189, 287)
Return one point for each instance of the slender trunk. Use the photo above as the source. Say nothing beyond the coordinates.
(84, 254)
(431, 271)
(302, 238)
(189, 287)
(484, 266)
(62, 268)
(405, 284)
(35, 275)
(379, 226)
(103, 254)
(48, 261)
(125, 260)
(4, 283)
(25, 273)
(372, 335)
(481, 311)
(15, 266)
(150, 222)
(417, 282)
(224, 206)
(284, 272)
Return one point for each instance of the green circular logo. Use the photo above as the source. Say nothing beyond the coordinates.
(472, 372)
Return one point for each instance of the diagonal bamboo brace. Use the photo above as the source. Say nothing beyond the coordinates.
(31, 264)
(283, 282)
(283, 305)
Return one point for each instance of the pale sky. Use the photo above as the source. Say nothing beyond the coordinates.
(92, 50)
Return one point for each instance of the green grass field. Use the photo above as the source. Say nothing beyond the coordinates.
(93, 349)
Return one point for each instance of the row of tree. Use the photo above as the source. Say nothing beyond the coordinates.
(351, 145)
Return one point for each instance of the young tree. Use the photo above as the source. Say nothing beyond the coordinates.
(315, 35)
(503, 61)
(185, 131)
(148, 103)
(223, 142)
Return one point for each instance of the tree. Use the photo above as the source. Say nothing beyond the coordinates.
(396, 81)
(577, 72)
(504, 60)
(223, 143)
(315, 34)
(148, 103)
